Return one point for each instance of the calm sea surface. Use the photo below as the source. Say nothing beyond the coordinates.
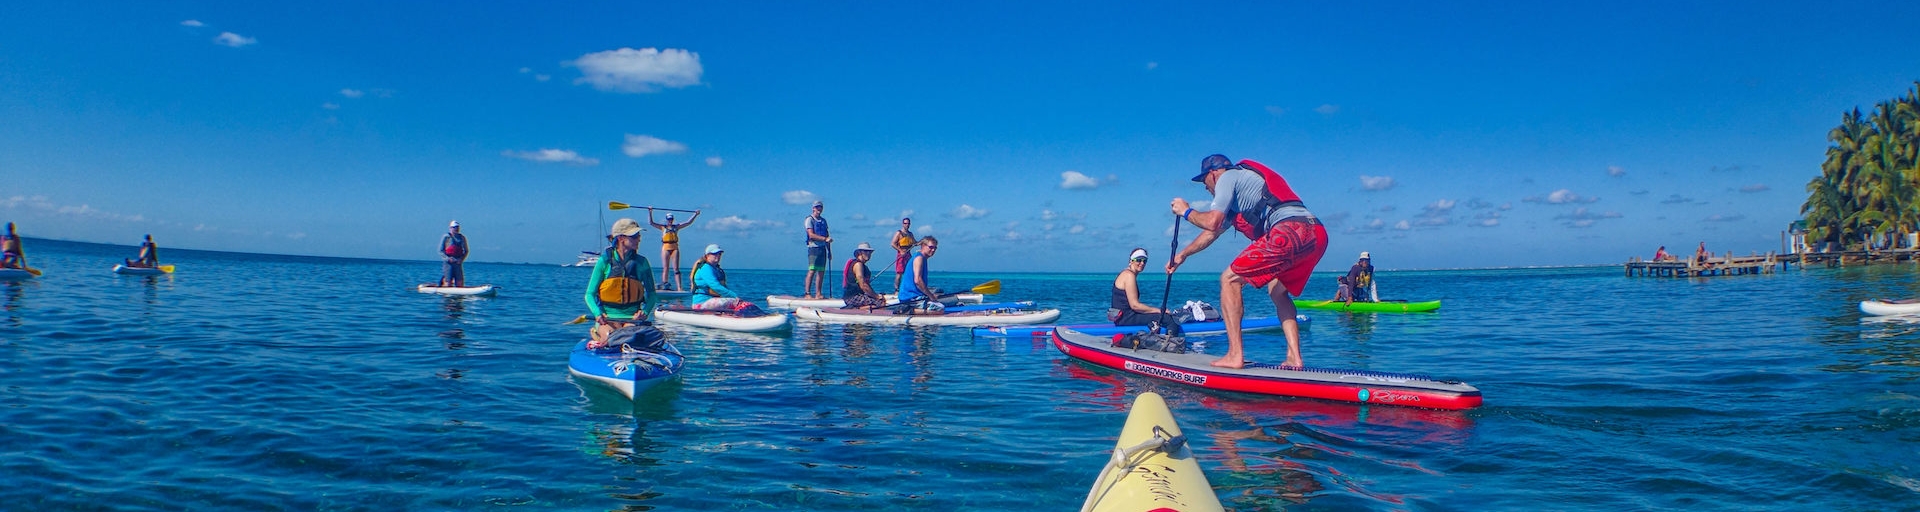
(249, 382)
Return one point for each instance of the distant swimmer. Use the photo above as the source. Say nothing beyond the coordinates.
(670, 248)
(10, 254)
(619, 291)
(453, 250)
(915, 292)
(149, 255)
(1287, 242)
(903, 243)
(856, 281)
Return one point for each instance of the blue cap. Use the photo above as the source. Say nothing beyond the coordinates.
(1211, 163)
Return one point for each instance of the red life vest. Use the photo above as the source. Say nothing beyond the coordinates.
(1278, 194)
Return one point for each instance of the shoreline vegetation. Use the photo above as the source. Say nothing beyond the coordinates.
(1867, 197)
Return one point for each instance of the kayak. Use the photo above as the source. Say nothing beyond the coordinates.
(1889, 307)
(142, 271)
(1369, 307)
(790, 302)
(724, 320)
(478, 291)
(1190, 328)
(14, 274)
(1360, 386)
(630, 372)
(883, 316)
(1152, 467)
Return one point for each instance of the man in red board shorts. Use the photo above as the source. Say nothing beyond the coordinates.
(1287, 242)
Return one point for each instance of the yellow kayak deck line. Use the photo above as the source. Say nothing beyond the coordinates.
(1152, 468)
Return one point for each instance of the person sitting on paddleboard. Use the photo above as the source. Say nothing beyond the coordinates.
(1125, 307)
(1287, 242)
(710, 282)
(618, 289)
(1345, 293)
(670, 247)
(149, 255)
(915, 292)
(10, 255)
(856, 282)
(453, 249)
(903, 243)
(818, 245)
(1360, 277)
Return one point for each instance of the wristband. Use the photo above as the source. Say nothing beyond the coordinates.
(1183, 216)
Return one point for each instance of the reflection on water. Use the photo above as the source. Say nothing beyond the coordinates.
(16, 302)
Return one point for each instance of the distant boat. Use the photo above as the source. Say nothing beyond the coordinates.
(587, 259)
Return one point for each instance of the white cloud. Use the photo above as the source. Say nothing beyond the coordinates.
(737, 223)
(627, 70)
(330, 106)
(1403, 226)
(1328, 109)
(1581, 218)
(1562, 196)
(525, 70)
(1486, 219)
(1047, 214)
(1439, 213)
(1073, 180)
(1616, 171)
(714, 161)
(297, 235)
(1375, 182)
(192, 23)
(904, 214)
(923, 229)
(233, 40)
(642, 145)
(542, 78)
(352, 93)
(1077, 229)
(799, 197)
(857, 216)
(550, 155)
(967, 211)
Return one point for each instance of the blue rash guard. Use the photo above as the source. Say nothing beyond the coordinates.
(709, 282)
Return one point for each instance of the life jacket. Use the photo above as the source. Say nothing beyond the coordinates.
(622, 287)
(1366, 278)
(849, 286)
(903, 240)
(453, 246)
(812, 223)
(1277, 195)
(670, 235)
(719, 274)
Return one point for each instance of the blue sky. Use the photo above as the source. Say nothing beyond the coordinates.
(1027, 137)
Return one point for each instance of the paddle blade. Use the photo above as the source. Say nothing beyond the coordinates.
(166, 268)
(577, 321)
(988, 288)
(616, 205)
(31, 270)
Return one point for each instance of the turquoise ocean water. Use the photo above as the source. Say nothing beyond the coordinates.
(251, 382)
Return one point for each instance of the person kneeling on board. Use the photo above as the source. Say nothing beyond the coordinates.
(618, 290)
(710, 286)
(149, 255)
(857, 280)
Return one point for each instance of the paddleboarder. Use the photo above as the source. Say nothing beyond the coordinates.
(10, 255)
(1125, 308)
(1360, 276)
(857, 280)
(903, 243)
(1287, 242)
(670, 247)
(818, 246)
(617, 290)
(916, 289)
(453, 250)
(149, 255)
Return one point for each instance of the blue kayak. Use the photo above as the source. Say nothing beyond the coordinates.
(1191, 328)
(630, 372)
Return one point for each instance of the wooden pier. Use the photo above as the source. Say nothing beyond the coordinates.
(1728, 265)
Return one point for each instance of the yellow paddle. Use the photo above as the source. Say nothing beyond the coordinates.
(166, 268)
(986, 288)
(577, 321)
(616, 205)
(30, 270)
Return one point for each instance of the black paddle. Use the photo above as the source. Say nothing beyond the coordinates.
(1172, 249)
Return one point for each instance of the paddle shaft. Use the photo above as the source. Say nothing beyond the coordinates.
(616, 205)
(1172, 249)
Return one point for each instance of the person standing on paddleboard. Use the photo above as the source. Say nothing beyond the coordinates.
(1287, 242)
(10, 255)
(453, 249)
(818, 245)
(149, 255)
(619, 289)
(670, 247)
(903, 242)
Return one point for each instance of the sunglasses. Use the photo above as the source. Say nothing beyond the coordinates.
(1140, 260)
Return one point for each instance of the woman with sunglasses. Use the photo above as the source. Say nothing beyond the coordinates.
(1126, 308)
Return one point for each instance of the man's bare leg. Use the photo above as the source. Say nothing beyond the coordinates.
(1283, 306)
(1232, 309)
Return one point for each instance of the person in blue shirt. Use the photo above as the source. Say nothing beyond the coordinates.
(819, 245)
(915, 291)
(710, 282)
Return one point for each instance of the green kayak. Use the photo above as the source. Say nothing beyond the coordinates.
(1369, 307)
